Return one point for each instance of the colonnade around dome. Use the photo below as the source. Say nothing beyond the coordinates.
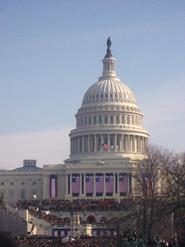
(121, 143)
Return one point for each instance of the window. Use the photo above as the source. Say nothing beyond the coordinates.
(112, 119)
(34, 183)
(117, 119)
(128, 119)
(11, 183)
(100, 120)
(94, 120)
(105, 119)
(123, 120)
(2, 183)
(22, 194)
(89, 120)
(11, 194)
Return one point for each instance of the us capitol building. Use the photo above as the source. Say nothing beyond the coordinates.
(105, 146)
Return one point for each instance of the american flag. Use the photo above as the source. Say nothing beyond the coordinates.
(105, 147)
(89, 183)
(55, 233)
(123, 183)
(53, 186)
(109, 183)
(99, 183)
(75, 183)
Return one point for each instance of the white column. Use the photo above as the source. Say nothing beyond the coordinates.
(140, 144)
(78, 144)
(126, 142)
(88, 143)
(70, 184)
(123, 143)
(144, 143)
(120, 143)
(80, 184)
(75, 145)
(129, 144)
(70, 147)
(115, 142)
(137, 141)
(94, 178)
(102, 142)
(84, 184)
(128, 184)
(95, 148)
(135, 144)
(130, 138)
(82, 144)
(108, 138)
(118, 183)
(66, 184)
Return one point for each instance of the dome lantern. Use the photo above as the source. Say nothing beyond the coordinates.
(109, 62)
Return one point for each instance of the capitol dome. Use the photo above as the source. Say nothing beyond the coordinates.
(109, 90)
(109, 121)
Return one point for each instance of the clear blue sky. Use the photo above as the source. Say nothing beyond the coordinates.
(51, 52)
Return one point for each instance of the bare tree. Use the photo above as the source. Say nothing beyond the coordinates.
(175, 192)
(148, 177)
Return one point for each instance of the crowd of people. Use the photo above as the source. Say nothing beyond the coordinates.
(78, 204)
(117, 241)
(83, 242)
(55, 220)
(50, 218)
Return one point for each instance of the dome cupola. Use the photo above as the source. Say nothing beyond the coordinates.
(108, 88)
